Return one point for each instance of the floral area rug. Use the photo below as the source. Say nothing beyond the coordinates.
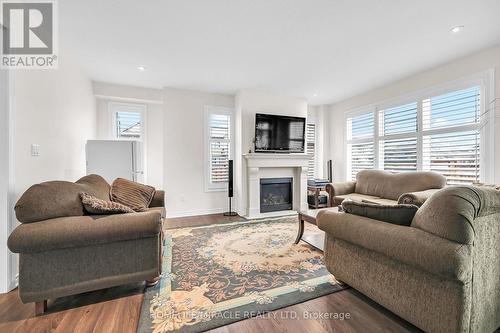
(218, 274)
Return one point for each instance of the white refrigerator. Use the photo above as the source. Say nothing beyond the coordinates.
(113, 159)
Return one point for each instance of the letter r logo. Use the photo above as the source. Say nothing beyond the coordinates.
(29, 28)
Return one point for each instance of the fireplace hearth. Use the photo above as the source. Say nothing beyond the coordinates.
(275, 194)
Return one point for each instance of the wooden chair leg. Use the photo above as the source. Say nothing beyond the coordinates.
(40, 307)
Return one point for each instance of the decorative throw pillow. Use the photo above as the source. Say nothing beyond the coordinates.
(134, 195)
(95, 205)
(397, 214)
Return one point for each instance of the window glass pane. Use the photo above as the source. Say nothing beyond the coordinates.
(399, 155)
(361, 126)
(398, 120)
(455, 155)
(361, 156)
(128, 125)
(457, 108)
(219, 126)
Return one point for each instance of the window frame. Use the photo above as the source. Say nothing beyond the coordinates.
(485, 126)
(114, 107)
(208, 110)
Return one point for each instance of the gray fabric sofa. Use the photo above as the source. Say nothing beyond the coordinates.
(441, 273)
(387, 188)
(64, 251)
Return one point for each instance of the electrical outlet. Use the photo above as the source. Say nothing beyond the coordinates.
(35, 150)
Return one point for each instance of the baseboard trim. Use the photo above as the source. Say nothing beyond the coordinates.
(195, 212)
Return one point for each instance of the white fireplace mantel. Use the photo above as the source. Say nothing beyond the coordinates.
(262, 165)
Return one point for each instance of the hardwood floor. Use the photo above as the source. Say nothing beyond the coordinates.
(117, 309)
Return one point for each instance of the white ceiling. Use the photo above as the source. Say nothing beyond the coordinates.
(334, 49)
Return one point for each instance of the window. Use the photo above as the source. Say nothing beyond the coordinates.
(218, 146)
(127, 121)
(360, 131)
(440, 133)
(311, 150)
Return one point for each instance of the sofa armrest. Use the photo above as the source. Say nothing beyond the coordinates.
(411, 246)
(82, 231)
(158, 199)
(416, 198)
(334, 189)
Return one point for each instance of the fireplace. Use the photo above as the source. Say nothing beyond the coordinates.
(275, 194)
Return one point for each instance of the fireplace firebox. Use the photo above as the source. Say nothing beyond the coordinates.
(275, 194)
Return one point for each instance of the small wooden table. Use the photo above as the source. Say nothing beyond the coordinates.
(316, 190)
(315, 240)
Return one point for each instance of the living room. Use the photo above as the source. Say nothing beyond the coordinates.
(188, 166)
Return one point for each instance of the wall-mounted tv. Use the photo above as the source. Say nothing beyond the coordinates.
(279, 134)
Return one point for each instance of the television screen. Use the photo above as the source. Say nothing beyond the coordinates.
(279, 133)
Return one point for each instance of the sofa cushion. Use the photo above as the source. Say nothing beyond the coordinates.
(450, 212)
(95, 205)
(389, 185)
(53, 199)
(134, 195)
(81, 231)
(95, 186)
(49, 200)
(407, 245)
(363, 198)
(398, 214)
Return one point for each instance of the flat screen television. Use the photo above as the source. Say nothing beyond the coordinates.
(279, 134)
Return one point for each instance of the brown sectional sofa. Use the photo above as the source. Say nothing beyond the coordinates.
(441, 273)
(64, 251)
(387, 188)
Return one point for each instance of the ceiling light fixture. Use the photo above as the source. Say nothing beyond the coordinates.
(456, 29)
(141, 68)
(315, 95)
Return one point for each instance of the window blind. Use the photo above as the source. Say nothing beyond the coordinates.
(361, 126)
(398, 120)
(456, 108)
(399, 155)
(128, 125)
(219, 147)
(456, 155)
(452, 151)
(362, 156)
(311, 149)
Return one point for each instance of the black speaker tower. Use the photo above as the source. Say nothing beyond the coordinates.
(330, 171)
(230, 189)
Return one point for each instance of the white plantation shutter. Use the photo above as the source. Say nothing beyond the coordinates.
(398, 140)
(453, 109)
(128, 125)
(455, 155)
(219, 146)
(362, 156)
(360, 148)
(451, 141)
(311, 149)
(399, 155)
(441, 133)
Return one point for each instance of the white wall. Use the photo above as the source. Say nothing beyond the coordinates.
(54, 109)
(248, 103)
(153, 100)
(6, 183)
(318, 115)
(184, 153)
(467, 66)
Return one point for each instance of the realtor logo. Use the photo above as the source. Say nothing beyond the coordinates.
(29, 34)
